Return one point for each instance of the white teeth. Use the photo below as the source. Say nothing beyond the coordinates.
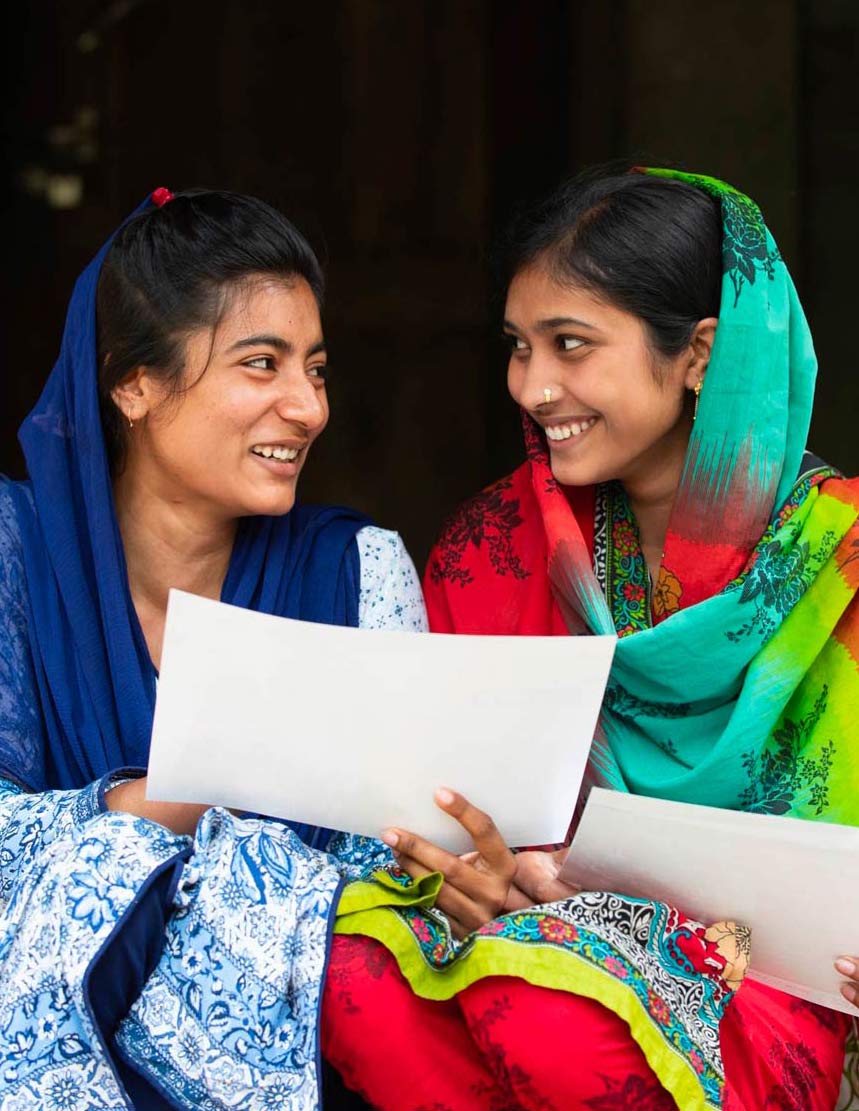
(558, 432)
(283, 454)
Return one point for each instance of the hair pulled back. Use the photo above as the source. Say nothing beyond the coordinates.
(171, 271)
(648, 245)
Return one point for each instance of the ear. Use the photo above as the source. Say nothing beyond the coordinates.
(700, 350)
(135, 394)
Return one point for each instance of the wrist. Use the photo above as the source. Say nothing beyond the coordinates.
(126, 795)
(179, 817)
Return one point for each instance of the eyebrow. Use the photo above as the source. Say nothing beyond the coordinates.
(266, 340)
(553, 322)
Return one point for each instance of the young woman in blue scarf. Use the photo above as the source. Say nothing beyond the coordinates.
(161, 955)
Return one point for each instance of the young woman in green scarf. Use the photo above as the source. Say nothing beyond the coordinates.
(665, 373)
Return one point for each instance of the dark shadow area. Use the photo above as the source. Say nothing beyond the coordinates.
(401, 136)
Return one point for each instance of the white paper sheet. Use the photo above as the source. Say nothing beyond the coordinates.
(795, 883)
(355, 729)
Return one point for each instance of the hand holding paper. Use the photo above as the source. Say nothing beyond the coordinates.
(795, 883)
(476, 884)
(354, 730)
(537, 880)
(484, 883)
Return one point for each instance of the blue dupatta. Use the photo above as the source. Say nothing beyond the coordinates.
(95, 680)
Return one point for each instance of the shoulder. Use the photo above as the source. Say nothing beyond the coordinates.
(391, 596)
(379, 547)
(481, 531)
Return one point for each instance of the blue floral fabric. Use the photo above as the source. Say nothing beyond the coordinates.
(228, 1013)
(229, 1016)
(67, 883)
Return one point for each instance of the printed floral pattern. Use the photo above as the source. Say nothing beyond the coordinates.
(681, 973)
(390, 595)
(624, 704)
(666, 594)
(229, 1016)
(53, 926)
(778, 578)
(619, 564)
(781, 770)
(781, 567)
(490, 518)
(747, 248)
(633, 1094)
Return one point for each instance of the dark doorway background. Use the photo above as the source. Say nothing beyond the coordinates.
(400, 134)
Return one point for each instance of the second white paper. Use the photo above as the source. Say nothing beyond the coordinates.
(795, 883)
(354, 729)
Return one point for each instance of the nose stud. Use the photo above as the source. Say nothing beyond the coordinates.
(547, 395)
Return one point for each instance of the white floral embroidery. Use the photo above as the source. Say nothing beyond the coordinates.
(390, 596)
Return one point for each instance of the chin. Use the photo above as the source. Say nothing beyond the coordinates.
(275, 504)
(275, 507)
(571, 474)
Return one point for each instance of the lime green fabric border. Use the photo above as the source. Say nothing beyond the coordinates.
(542, 967)
(381, 889)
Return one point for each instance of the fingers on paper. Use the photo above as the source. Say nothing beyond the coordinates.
(849, 966)
(409, 846)
(482, 830)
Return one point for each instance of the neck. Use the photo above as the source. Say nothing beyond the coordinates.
(169, 543)
(651, 491)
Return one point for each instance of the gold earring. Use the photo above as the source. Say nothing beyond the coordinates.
(696, 389)
(547, 396)
(130, 423)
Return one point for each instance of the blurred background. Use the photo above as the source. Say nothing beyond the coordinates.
(400, 135)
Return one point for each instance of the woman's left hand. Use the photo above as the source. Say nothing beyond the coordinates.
(849, 967)
(476, 885)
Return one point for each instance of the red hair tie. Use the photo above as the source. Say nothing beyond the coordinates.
(161, 196)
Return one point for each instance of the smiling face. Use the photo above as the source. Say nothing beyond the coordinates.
(234, 441)
(618, 410)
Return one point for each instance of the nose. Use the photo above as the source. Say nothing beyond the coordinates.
(541, 386)
(302, 401)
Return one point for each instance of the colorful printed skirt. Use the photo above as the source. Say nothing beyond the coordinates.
(600, 1001)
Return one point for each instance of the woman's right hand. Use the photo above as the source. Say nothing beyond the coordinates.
(536, 880)
(130, 797)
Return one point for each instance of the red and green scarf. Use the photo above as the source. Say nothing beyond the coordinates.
(736, 678)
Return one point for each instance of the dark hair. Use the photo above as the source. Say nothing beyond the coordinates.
(171, 271)
(649, 245)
